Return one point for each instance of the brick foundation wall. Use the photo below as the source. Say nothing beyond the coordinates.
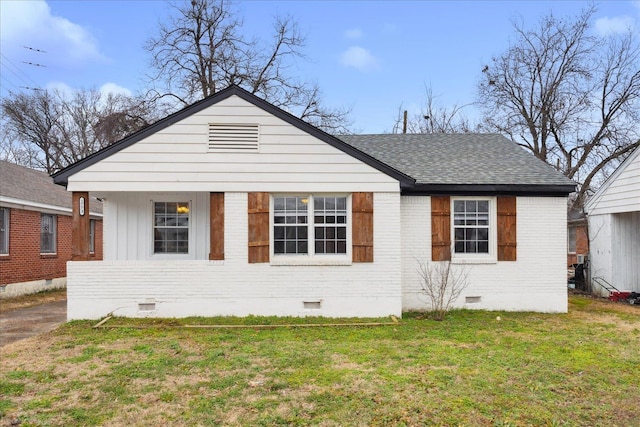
(24, 262)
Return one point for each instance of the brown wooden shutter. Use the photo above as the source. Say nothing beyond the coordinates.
(440, 228)
(258, 208)
(507, 228)
(362, 228)
(216, 225)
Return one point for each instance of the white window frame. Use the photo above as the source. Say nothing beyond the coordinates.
(191, 245)
(6, 221)
(54, 233)
(477, 258)
(310, 258)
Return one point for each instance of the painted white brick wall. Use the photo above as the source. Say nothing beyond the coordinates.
(235, 287)
(537, 281)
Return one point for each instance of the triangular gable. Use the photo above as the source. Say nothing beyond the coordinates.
(63, 175)
(592, 203)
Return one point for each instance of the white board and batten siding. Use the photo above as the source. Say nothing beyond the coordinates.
(179, 158)
(183, 163)
(614, 228)
(536, 281)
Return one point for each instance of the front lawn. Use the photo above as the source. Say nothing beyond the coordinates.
(579, 369)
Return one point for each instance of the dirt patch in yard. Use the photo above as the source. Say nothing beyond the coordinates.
(10, 304)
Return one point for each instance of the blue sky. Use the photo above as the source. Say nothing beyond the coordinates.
(370, 56)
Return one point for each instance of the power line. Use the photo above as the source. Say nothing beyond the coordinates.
(34, 49)
(34, 64)
(19, 71)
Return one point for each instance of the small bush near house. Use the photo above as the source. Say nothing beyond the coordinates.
(575, 369)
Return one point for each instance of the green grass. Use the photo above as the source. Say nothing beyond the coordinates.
(576, 369)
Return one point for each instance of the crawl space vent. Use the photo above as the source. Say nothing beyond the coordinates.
(312, 305)
(146, 306)
(239, 137)
(472, 300)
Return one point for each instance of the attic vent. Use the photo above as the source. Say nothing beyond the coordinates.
(240, 137)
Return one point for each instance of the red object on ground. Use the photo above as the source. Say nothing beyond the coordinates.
(617, 296)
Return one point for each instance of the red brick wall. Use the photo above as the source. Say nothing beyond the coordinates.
(582, 244)
(24, 262)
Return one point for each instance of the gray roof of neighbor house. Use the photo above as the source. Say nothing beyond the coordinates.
(21, 183)
(443, 160)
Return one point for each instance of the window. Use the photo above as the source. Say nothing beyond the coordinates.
(92, 236)
(471, 226)
(171, 227)
(4, 231)
(48, 234)
(297, 231)
(572, 239)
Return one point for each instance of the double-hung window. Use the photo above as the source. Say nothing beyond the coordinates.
(310, 225)
(472, 227)
(4, 231)
(171, 227)
(48, 233)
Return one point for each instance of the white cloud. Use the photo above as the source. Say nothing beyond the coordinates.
(359, 58)
(61, 87)
(30, 23)
(354, 33)
(617, 24)
(113, 88)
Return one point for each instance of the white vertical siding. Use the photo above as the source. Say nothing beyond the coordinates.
(128, 224)
(626, 251)
(233, 286)
(614, 250)
(537, 281)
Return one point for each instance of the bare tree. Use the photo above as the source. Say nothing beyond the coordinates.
(433, 118)
(49, 130)
(202, 50)
(570, 97)
(443, 284)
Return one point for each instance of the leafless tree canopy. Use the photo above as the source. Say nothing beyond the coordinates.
(202, 50)
(570, 97)
(49, 130)
(433, 118)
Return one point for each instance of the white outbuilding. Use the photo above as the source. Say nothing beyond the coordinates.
(614, 229)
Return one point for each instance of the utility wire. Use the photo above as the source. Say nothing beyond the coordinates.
(19, 70)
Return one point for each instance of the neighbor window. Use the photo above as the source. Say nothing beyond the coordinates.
(471, 226)
(171, 227)
(4, 231)
(92, 236)
(309, 225)
(48, 234)
(572, 240)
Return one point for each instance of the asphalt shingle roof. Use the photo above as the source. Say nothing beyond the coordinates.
(458, 158)
(19, 182)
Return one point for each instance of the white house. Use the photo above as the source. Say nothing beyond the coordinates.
(614, 228)
(235, 207)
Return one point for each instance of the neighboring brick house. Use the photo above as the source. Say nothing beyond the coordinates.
(36, 231)
(577, 237)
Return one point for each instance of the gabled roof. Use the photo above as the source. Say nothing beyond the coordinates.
(19, 184)
(422, 163)
(593, 200)
(62, 176)
(463, 163)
